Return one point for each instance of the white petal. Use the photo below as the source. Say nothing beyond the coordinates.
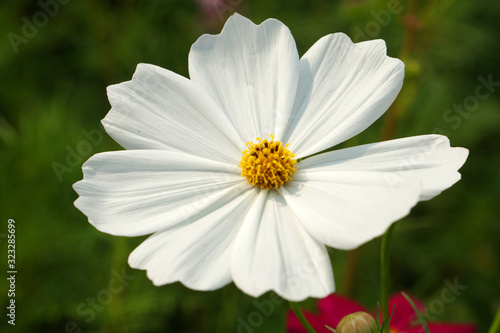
(273, 252)
(343, 89)
(345, 209)
(427, 158)
(252, 73)
(159, 109)
(198, 251)
(138, 192)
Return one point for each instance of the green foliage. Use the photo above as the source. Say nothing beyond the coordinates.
(53, 91)
(417, 311)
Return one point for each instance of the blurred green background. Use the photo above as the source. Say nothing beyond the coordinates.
(53, 95)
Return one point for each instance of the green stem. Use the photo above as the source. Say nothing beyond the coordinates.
(495, 326)
(300, 315)
(350, 272)
(417, 312)
(385, 280)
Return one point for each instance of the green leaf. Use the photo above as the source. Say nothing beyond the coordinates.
(420, 317)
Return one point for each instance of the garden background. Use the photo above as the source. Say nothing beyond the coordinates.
(58, 56)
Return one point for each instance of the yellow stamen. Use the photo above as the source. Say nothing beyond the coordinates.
(267, 164)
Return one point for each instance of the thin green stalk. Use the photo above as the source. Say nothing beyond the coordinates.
(385, 280)
(495, 326)
(300, 315)
(417, 311)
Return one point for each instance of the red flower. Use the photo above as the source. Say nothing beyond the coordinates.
(334, 307)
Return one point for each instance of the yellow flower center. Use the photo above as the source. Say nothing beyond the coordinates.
(267, 164)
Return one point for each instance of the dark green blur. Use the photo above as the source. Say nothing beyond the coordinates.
(53, 93)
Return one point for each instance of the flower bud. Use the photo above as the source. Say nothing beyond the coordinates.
(358, 322)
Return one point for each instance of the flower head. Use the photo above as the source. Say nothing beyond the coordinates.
(267, 164)
(358, 322)
(221, 205)
(335, 307)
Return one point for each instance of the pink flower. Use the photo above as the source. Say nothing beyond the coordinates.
(215, 12)
(334, 307)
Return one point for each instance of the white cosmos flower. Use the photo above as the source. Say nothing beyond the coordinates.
(180, 179)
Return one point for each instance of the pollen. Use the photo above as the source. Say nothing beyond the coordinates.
(267, 164)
